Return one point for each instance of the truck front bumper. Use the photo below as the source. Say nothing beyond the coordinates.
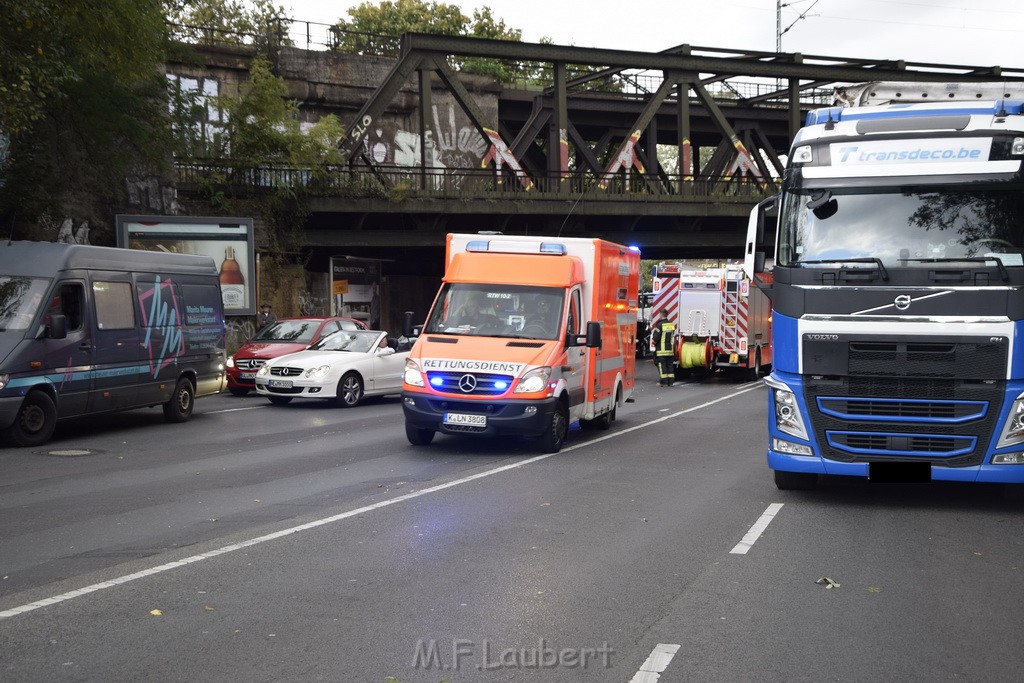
(502, 418)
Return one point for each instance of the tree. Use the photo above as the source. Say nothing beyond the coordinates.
(257, 22)
(81, 100)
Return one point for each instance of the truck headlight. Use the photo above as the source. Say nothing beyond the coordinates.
(1013, 430)
(787, 411)
(533, 381)
(412, 374)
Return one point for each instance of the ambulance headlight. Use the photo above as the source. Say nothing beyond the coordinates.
(1013, 430)
(786, 409)
(533, 381)
(412, 374)
(1018, 147)
(802, 155)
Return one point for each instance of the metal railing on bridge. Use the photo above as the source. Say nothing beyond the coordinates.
(403, 182)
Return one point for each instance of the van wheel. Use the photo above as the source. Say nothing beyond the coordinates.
(35, 422)
(280, 400)
(554, 436)
(179, 407)
(417, 436)
(350, 390)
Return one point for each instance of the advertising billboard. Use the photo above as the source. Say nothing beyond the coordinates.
(355, 289)
(229, 241)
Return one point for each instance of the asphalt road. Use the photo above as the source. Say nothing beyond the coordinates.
(308, 543)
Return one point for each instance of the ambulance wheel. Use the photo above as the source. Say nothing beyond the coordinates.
(417, 436)
(552, 439)
(795, 481)
(179, 407)
(35, 422)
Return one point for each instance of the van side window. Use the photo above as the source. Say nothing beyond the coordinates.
(114, 310)
(70, 302)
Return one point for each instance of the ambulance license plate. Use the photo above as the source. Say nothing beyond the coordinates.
(465, 419)
(280, 383)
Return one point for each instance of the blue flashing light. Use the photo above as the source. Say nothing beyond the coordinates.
(635, 248)
(552, 248)
(436, 381)
(501, 384)
(478, 245)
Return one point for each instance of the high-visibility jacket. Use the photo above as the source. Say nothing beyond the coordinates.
(665, 339)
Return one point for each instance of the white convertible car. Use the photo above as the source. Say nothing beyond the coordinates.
(343, 367)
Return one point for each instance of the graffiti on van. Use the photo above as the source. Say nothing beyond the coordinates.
(165, 319)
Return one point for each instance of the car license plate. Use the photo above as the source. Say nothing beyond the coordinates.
(465, 419)
(247, 375)
(280, 383)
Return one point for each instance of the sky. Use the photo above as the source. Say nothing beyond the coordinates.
(962, 32)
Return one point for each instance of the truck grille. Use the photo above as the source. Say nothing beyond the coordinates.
(899, 398)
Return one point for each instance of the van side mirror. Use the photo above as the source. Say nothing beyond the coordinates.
(593, 335)
(58, 326)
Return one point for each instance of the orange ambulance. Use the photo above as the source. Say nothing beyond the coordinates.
(526, 336)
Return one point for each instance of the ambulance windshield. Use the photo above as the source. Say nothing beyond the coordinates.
(486, 310)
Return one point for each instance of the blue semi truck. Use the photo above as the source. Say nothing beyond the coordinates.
(897, 288)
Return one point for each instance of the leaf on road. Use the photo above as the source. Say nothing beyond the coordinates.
(827, 582)
(156, 613)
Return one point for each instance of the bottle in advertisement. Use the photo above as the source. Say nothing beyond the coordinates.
(232, 284)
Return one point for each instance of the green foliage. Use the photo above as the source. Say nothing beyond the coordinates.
(376, 29)
(81, 99)
(256, 22)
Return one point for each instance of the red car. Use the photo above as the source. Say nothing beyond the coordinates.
(287, 335)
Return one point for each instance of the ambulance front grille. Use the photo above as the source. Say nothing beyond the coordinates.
(469, 383)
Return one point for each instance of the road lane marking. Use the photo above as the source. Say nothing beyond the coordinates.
(71, 595)
(755, 531)
(650, 670)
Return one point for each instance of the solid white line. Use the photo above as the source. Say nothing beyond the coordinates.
(650, 670)
(64, 597)
(755, 531)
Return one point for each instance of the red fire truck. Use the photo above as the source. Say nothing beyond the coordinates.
(723, 321)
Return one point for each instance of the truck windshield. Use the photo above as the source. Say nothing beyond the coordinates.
(903, 226)
(20, 299)
(516, 311)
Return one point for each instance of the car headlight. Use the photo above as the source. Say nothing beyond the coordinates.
(4, 379)
(231, 361)
(264, 370)
(787, 411)
(533, 381)
(317, 373)
(412, 374)
(1013, 430)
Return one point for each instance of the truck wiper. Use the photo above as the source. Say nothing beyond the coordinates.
(868, 259)
(1004, 274)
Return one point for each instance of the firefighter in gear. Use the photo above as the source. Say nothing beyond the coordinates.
(664, 335)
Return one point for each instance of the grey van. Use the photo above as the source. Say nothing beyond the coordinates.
(87, 330)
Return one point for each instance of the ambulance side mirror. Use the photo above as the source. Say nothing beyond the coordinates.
(592, 339)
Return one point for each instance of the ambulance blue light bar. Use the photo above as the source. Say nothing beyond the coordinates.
(509, 246)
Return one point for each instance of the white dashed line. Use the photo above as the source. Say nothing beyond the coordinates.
(650, 670)
(755, 531)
